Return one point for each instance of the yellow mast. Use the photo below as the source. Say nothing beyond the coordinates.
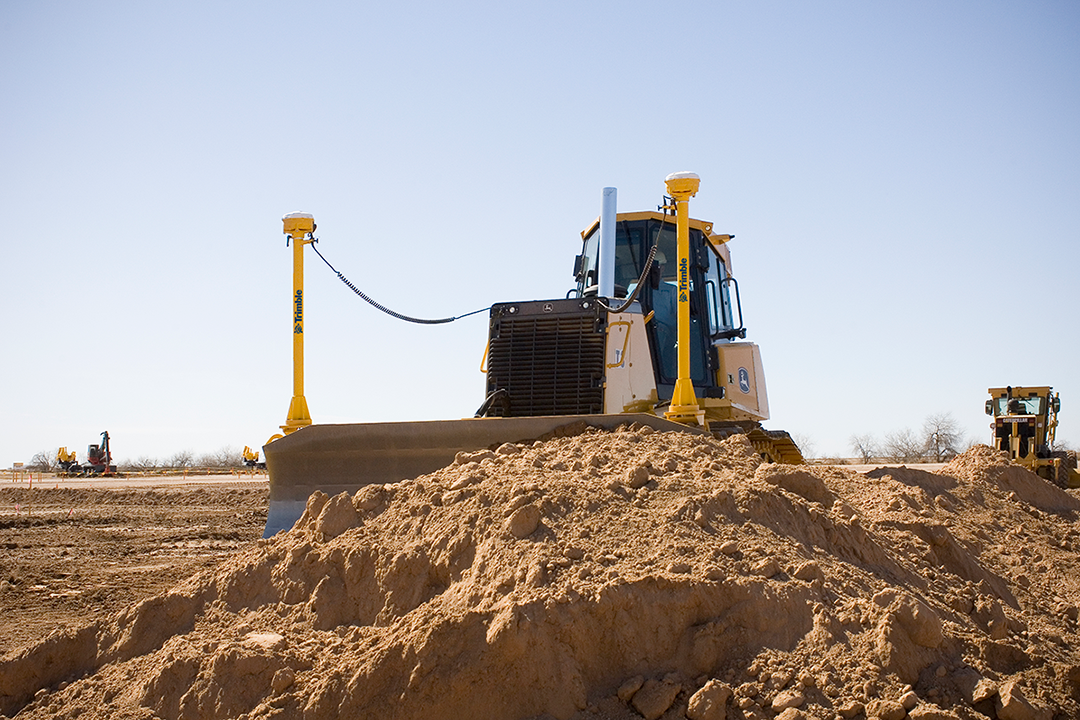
(299, 227)
(684, 405)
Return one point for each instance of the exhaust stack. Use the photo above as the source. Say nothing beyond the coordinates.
(606, 262)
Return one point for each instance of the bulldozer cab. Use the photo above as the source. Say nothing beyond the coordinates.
(711, 293)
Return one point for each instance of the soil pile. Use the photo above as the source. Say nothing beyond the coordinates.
(612, 575)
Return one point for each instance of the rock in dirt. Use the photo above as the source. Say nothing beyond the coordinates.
(973, 687)
(850, 709)
(809, 571)
(627, 689)
(791, 714)
(931, 712)
(655, 697)
(766, 568)
(787, 699)
(1013, 704)
(885, 710)
(336, 516)
(523, 521)
(637, 477)
(710, 702)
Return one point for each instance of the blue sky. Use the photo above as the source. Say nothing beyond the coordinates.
(903, 181)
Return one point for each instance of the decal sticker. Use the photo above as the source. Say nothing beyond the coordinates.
(744, 381)
(298, 313)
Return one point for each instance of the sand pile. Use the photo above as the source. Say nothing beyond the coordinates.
(612, 575)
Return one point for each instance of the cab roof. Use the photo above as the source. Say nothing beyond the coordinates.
(1032, 391)
(703, 225)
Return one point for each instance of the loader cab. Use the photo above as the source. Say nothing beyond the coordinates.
(711, 293)
(1016, 406)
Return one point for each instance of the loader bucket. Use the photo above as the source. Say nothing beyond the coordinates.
(344, 458)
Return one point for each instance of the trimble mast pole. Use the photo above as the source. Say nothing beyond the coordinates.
(684, 405)
(299, 228)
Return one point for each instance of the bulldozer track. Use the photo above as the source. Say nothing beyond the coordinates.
(775, 446)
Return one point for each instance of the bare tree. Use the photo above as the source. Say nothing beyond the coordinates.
(143, 463)
(180, 460)
(45, 461)
(226, 457)
(806, 445)
(902, 446)
(865, 447)
(942, 437)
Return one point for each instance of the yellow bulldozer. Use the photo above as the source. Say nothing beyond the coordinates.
(651, 333)
(1024, 426)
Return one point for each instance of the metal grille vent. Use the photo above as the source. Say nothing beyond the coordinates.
(548, 356)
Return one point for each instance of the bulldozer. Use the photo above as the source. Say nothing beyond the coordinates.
(651, 333)
(1025, 422)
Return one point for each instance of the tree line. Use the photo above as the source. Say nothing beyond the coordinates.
(223, 458)
(940, 440)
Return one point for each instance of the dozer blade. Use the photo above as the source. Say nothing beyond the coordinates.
(344, 458)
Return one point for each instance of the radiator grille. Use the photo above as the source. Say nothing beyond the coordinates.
(548, 356)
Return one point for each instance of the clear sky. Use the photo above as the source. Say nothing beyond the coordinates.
(903, 180)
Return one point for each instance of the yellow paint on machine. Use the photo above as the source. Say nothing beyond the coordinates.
(299, 228)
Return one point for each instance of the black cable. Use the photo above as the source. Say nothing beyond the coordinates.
(637, 288)
(387, 310)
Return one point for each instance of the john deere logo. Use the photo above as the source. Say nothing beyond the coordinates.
(744, 381)
(548, 307)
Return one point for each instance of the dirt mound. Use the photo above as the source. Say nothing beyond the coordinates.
(612, 575)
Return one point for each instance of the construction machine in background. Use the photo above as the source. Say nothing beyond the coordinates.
(1025, 423)
(651, 333)
(251, 459)
(98, 460)
(67, 462)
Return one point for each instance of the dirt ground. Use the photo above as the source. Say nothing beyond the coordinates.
(595, 576)
(74, 551)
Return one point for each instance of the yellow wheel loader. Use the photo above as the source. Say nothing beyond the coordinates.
(1025, 422)
(67, 462)
(251, 459)
(650, 333)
